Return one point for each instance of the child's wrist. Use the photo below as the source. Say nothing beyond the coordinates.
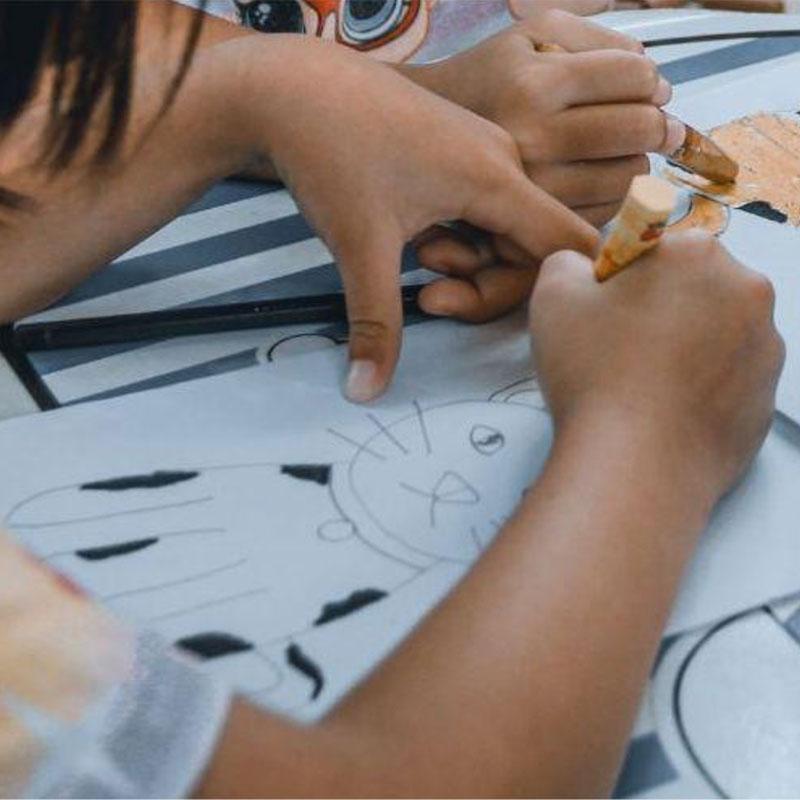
(645, 453)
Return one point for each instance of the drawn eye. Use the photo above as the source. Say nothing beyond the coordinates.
(487, 441)
(272, 16)
(366, 21)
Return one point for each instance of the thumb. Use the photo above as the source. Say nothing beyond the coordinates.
(370, 272)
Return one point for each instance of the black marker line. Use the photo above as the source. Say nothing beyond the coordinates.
(317, 473)
(152, 480)
(214, 644)
(157, 537)
(360, 447)
(303, 664)
(99, 517)
(114, 550)
(354, 602)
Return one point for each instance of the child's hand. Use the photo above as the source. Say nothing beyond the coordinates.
(374, 160)
(678, 352)
(522, 9)
(582, 120)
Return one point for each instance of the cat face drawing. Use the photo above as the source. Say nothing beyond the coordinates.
(292, 580)
(439, 483)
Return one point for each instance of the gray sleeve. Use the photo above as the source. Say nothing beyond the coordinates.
(153, 736)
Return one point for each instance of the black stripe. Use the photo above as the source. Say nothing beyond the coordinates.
(24, 370)
(719, 37)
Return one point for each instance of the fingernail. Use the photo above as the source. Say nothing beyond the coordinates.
(362, 382)
(663, 93)
(676, 133)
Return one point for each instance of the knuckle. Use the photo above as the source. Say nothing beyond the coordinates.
(760, 293)
(692, 245)
(552, 16)
(779, 351)
(640, 165)
(651, 127)
(644, 71)
(370, 333)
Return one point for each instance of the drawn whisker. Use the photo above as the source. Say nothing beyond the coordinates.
(209, 604)
(169, 584)
(387, 433)
(422, 426)
(360, 447)
(476, 539)
(97, 517)
(155, 537)
(414, 490)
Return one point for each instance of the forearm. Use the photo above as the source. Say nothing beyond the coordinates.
(526, 680)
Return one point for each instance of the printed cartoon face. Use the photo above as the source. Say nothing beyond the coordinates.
(389, 29)
(439, 483)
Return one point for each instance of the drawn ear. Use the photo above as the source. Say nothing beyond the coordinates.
(525, 393)
(336, 530)
(298, 344)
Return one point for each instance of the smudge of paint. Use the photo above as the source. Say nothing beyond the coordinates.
(765, 210)
(213, 645)
(317, 473)
(767, 149)
(155, 480)
(298, 660)
(710, 215)
(354, 602)
(113, 550)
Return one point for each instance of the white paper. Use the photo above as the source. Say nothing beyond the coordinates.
(274, 507)
(769, 247)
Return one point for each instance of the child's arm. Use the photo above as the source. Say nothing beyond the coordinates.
(582, 119)
(526, 680)
(371, 158)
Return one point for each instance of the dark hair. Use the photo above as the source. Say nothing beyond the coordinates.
(89, 46)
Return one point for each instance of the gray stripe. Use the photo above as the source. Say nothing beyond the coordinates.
(219, 366)
(725, 59)
(645, 766)
(189, 257)
(317, 280)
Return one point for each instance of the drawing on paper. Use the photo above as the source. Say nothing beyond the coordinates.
(259, 569)
(767, 148)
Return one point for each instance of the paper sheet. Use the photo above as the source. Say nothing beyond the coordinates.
(291, 539)
(770, 247)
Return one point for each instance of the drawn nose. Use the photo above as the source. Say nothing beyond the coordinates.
(453, 488)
